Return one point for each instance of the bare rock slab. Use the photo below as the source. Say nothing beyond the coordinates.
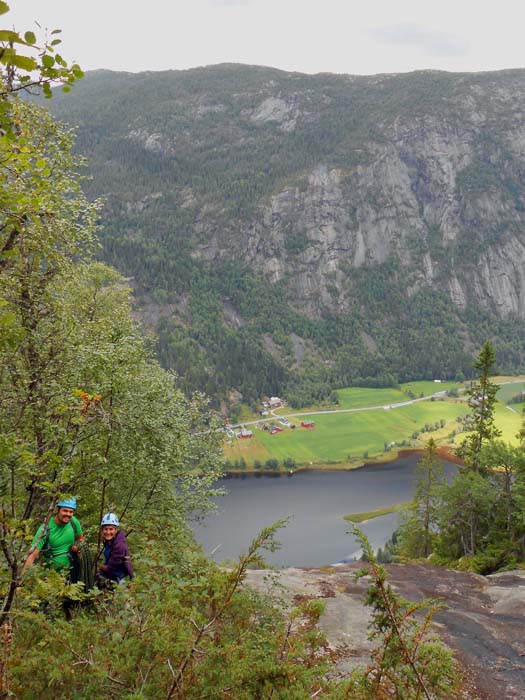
(484, 618)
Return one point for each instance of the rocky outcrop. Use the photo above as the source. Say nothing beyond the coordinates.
(483, 620)
(276, 109)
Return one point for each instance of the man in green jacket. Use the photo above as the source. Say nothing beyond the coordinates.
(59, 538)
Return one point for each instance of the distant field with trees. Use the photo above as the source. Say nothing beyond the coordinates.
(350, 439)
(509, 391)
(360, 397)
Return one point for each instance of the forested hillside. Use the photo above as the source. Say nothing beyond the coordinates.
(294, 233)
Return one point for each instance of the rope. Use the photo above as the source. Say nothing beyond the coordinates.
(82, 567)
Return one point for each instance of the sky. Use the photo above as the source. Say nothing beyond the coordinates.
(309, 36)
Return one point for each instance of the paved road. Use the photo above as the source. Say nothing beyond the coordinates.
(298, 414)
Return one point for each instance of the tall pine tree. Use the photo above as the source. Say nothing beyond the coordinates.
(482, 400)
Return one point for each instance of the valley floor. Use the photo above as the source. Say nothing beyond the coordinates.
(369, 426)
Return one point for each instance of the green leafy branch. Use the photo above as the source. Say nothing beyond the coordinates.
(27, 63)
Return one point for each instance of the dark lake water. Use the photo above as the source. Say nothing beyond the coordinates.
(315, 502)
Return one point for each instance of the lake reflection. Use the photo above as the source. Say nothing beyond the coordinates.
(315, 502)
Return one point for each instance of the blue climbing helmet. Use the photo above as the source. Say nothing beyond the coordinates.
(110, 519)
(67, 503)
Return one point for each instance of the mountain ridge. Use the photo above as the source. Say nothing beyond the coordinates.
(350, 208)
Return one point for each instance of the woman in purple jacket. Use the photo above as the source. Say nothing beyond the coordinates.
(117, 561)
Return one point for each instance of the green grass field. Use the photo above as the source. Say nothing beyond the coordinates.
(508, 421)
(427, 388)
(352, 438)
(507, 391)
(357, 397)
(361, 397)
(346, 437)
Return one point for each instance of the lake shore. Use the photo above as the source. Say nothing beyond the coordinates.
(445, 452)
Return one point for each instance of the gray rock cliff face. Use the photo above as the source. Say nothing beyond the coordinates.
(311, 179)
(404, 204)
(439, 193)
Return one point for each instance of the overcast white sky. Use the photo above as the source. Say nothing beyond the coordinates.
(310, 36)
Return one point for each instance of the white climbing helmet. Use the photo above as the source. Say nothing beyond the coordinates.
(110, 519)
